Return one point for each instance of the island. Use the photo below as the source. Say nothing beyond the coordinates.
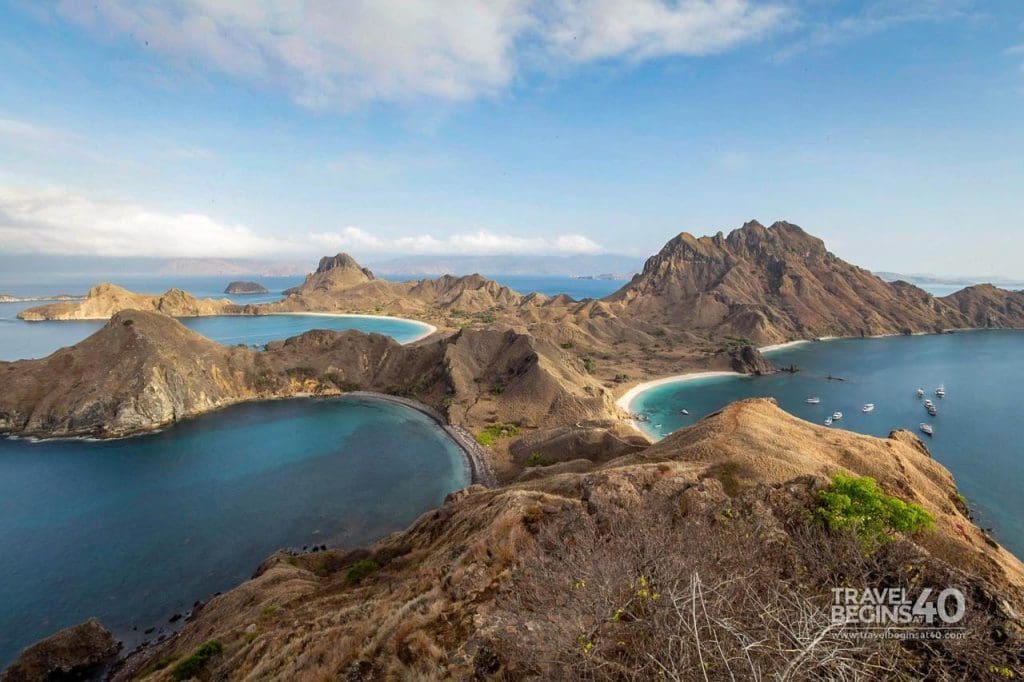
(241, 288)
(584, 536)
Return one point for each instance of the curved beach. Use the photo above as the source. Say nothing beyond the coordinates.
(428, 328)
(627, 398)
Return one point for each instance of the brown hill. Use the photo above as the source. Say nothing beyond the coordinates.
(337, 272)
(984, 305)
(654, 564)
(103, 300)
(165, 372)
(772, 284)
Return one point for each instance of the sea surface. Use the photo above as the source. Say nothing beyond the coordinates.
(133, 531)
(976, 430)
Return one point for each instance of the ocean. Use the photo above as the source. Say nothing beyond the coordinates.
(133, 531)
(975, 434)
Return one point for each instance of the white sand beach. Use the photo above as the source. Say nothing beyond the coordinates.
(627, 398)
(428, 328)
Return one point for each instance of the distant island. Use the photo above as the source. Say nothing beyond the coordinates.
(606, 276)
(245, 288)
(7, 298)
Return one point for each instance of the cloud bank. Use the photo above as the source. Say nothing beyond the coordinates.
(344, 53)
(63, 222)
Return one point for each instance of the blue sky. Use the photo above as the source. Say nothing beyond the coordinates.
(202, 128)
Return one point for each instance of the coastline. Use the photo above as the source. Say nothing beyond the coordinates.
(480, 470)
(428, 328)
(626, 400)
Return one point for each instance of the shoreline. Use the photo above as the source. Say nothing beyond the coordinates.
(475, 456)
(429, 329)
(626, 400)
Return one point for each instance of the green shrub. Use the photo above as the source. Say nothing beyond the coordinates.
(360, 570)
(492, 433)
(536, 460)
(128, 323)
(194, 664)
(858, 505)
(568, 344)
(589, 365)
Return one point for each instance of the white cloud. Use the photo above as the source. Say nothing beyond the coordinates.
(57, 221)
(343, 53)
(64, 222)
(481, 242)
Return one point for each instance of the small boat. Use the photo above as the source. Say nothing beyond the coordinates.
(928, 403)
(941, 391)
(920, 393)
(836, 416)
(813, 400)
(684, 411)
(828, 421)
(932, 410)
(927, 428)
(868, 407)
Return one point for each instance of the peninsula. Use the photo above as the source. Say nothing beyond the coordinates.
(484, 586)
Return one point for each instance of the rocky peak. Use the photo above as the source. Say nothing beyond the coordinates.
(341, 261)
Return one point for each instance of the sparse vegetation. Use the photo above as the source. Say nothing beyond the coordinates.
(857, 504)
(490, 435)
(568, 344)
(589, 365)
(194, 664)
(128, 323)
(360, 570)
(536, 460)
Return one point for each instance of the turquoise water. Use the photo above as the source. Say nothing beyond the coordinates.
(20, 339)
(976, 430)
(133, 531)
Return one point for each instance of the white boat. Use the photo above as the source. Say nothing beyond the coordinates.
(828, 421)
(927, 428)
(928, 403)
(932, 410)
(836, 416)
(941, 391)
(813, 400)
(684, 411)
(920, 393)
(868, 407)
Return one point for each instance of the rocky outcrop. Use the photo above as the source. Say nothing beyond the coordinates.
(574, 574)
(334, 273)
(772, 284)
(748, 360)
(104, 300)
(75, 653)
(241, 288)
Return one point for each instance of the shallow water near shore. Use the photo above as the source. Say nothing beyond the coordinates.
(976, 430)
(133, 531)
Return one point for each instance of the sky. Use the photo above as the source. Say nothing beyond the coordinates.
(284, 130)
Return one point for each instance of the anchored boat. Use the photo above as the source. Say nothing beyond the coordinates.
(813, 400)
(868, 407)
(926, 428)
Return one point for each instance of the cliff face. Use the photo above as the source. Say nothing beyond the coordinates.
(104, 300)
(984, 305)
(591, 574)
(772, 284)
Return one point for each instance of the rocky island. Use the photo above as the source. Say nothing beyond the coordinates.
(241, 288)
(538, 577)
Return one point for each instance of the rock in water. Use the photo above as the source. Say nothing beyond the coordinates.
(72, 653)
(245, 288)
(748, 360)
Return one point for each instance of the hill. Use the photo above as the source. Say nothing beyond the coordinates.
(772, 284)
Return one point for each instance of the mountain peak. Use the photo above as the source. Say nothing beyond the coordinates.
(341, 261)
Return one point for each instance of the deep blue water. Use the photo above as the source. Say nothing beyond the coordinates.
(135, 530)
(976, 430)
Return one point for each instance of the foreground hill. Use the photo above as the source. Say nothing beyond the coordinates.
(773, 284)
(698, 554)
